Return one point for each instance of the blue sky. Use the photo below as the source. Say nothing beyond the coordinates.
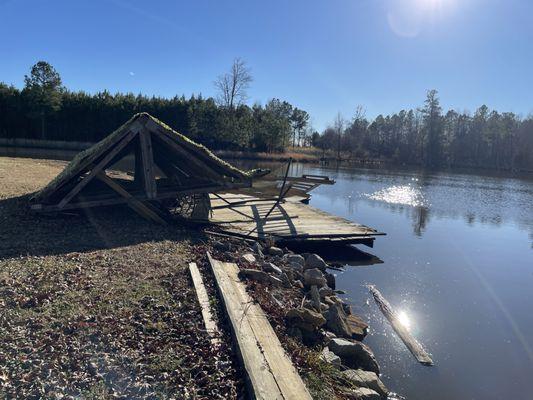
(324, 56)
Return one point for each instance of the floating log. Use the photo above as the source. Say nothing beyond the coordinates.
(412, 344)
(270, 372)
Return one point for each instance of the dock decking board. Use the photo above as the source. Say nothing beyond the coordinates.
(289, 221)
(270, 372)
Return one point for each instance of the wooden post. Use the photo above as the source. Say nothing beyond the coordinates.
(148, 167)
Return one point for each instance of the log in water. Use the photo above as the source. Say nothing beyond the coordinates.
(412, 344)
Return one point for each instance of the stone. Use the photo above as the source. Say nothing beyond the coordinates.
(363, 393)
(329, 300)
(354, 354)
(330, 357)
(275, 251)
(296, 267)
(366, 379)
(222, 246)
(315, 297)
(357, 326)
(270, 267)
(260, 276)
(314, 277)
(336, 321)
(315, 261)
(249, 258)
(304, 317)
(326, 291)
(258, 249)
(298, 283)
(330, 279)
(295, 259)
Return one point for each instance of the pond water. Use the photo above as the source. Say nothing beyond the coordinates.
(458, 267)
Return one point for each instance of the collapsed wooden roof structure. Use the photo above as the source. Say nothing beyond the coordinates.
(166, 165)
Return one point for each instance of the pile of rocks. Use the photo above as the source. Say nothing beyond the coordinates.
(323, 318)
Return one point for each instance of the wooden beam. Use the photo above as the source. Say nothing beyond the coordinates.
(96, 169)
(269, 370)
(203, 299)
(201, 168)
(141, 209)
(412, 344)
(148, 167)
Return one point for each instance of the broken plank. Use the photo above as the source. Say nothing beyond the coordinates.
(141, 209)
(203, 300)
(412, 344)
(270, 371)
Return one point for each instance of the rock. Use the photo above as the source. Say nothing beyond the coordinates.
(366, 379)
(304, 318)
(298, 283)
(329, 300)
(330, 279)
(295, 259)
(343, 325)
(315, 261)
(363, 393)
(357, 326)
(287, 282)
(336, 321)
(260, 276)
(347, 309)
(270, 267)
(222, 246)
(326, 291)
(249, 258)
(330, 357)
(314, 277)
(354, 354)
(315, 297)
(296, 267)
(275, 251)
(258, 249)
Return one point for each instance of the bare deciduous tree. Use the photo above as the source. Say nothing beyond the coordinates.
(233, 85)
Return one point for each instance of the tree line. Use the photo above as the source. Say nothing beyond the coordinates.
(46, 110)
(430, 137)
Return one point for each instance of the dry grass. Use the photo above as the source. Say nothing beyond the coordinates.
(98, 305)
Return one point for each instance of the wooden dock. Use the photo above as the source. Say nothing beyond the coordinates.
(289, 221)
(270, 372)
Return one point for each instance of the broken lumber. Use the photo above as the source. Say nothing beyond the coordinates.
(203, 300)
(270, 372)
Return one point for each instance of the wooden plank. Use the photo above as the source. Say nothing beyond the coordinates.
(269, 370)
(148, 167)
(96, 169)
(412, 344)
(143, 210)
(203, 299)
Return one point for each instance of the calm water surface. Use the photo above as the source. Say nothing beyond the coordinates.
(457, 264)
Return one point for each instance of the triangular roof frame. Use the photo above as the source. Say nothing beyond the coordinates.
(191, 166)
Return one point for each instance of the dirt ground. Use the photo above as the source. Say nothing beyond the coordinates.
(99, 305)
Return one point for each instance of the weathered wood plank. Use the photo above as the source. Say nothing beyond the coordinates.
(143, 210)
(270, 371)
(412, 344)
(148, 167)
(96, 169)
(203, 299)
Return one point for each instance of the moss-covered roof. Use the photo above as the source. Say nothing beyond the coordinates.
(84, 159)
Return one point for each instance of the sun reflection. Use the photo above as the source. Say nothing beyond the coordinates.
(404, 319)
(400, 194)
